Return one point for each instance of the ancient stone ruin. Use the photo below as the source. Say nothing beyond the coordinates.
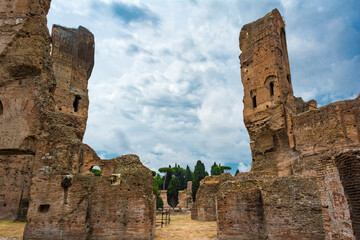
(45, 169)
(304, 182)
(185, 198)
(204, 208)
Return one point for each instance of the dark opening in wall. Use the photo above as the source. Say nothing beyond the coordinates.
(288, 77)
(348, 165)
(254, 101)
(1, 108)
(44, 208)
(76, 103)
(96, 170)
(283, 43)
(271, 89)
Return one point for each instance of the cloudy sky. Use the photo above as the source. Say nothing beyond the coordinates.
(166, 83)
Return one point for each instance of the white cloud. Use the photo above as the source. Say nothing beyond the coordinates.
(171, 91)
(244, 167)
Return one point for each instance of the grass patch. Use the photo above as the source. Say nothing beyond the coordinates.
(10, 229)
(183, 227)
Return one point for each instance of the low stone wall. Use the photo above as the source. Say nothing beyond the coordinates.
(204, 208)
(269, 208)
(117, 206)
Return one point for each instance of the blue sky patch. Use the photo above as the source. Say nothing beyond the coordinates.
(132, 13)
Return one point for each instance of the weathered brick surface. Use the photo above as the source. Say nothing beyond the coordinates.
(292, 208)
(24, 77)
(94, 207)
(240, 213)
(204, 208)
(255, 207)
(305, 159)
(348, 164)
(45, 169)
(14, 186)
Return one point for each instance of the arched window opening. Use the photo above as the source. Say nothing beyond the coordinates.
(76, 103)
(96, 170)
(288, 77)
(271, 89)
(283, 43)
(254, 101)
(1, 108)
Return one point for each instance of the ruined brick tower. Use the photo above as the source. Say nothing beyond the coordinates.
(304, 181)
(268, 94)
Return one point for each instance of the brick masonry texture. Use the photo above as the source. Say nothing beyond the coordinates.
(45, 169)
(304, 179)
(204, 208)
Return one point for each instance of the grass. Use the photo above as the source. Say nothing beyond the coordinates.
(180, 227)
(12, 230)
(183, 227)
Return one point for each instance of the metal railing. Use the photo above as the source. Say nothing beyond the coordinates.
(162, 217)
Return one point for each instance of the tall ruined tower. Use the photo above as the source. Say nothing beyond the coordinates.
(268, 95)
(304, 181)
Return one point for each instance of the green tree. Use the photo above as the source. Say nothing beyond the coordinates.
(168, 175)
(188, 174)
(237, 171)
(180, 174)
(199, 174)
(224, 168)
(158, 180)
(159, 201)
(215, 169)
(172, 192)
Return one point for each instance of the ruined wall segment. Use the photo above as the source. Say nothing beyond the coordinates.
(73, 61)
(239, 211)
(116, 206)
(44, 166)
(24, 77)
(305, 159)
(204, 208)
(264, 207)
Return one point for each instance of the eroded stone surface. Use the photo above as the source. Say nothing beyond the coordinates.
(94, 207)
(204, 208)
(45, 169)
(304, 178)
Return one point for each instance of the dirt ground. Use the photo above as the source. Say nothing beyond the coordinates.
(11, 230)
(180, 227)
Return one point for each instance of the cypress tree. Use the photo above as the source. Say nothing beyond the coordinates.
(159, 201)
(173, 192)
(168, 175)
(158, 180)
(180, 174)
(188, 174)
(215, 169)
(199, 174)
